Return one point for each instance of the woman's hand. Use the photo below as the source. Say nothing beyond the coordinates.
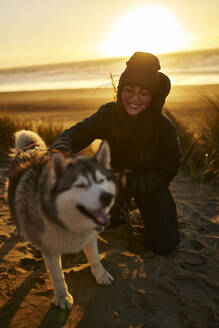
(122, 178)
(124, 181)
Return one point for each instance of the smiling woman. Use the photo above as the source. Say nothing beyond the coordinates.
(152, 29)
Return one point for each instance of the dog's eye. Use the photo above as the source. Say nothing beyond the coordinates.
(80, 185)
(100, 180)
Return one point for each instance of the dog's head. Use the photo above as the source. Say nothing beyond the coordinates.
(85, 190)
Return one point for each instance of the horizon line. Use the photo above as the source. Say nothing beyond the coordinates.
(100, 59)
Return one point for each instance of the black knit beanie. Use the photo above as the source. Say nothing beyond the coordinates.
(142, 70)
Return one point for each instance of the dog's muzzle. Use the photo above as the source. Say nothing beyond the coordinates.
(106, 198)
(98, 216)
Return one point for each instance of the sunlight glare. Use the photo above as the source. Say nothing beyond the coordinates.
(151, 29)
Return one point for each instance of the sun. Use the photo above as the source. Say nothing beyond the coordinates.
(149, 28)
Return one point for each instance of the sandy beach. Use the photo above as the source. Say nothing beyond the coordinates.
(180, 290)
(175, 291)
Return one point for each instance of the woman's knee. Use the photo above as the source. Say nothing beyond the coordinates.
(160, 218)
(162, 239)
(162, 245)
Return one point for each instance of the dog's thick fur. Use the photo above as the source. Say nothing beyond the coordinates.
(61, 205)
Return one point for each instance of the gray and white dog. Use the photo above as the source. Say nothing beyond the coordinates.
(61, 205)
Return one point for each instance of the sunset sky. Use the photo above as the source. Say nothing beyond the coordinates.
(49, 31)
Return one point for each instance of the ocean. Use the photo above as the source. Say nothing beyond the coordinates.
(183, 68)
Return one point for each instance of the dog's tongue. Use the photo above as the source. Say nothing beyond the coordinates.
(100, 216)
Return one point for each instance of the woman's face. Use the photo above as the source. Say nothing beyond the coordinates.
(135, 99)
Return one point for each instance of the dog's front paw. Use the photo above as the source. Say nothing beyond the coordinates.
(64, 302)
(103, 277)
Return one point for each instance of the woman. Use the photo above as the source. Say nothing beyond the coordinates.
(143, 144)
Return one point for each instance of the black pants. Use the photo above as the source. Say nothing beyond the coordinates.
(159, 213)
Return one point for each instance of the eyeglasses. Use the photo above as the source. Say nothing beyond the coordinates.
(132, 91)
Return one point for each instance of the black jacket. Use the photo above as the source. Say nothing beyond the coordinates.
(148, 149)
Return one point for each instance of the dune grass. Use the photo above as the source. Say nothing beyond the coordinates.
(8, 126)
(48, 132)
(200, 153)
(211, 139)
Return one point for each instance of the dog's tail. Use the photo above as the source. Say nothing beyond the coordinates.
(28, 140)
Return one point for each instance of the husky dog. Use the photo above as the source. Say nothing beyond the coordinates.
(61, 205)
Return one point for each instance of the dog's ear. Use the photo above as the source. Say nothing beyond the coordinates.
(58, 164)
(103, 155)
